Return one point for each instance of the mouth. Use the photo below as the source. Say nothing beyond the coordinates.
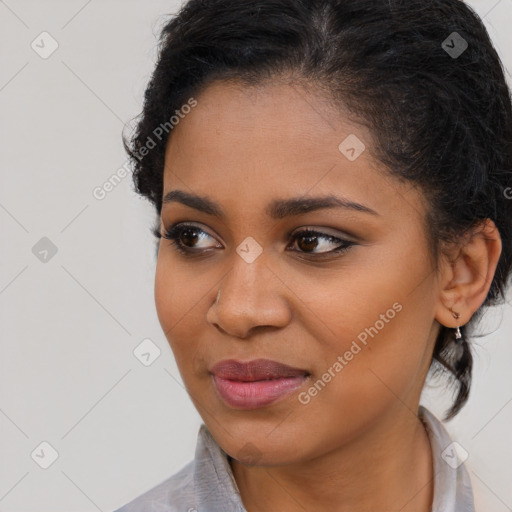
(256, 383)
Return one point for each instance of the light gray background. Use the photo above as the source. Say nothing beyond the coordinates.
(68, 375)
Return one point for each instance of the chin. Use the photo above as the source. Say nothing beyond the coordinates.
(256, 447)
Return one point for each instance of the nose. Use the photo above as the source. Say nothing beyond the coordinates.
(252, 297)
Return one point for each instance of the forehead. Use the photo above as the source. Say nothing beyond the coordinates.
(245, 144)
(270, 114)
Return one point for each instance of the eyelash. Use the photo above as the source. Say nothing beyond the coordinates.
(174, 233)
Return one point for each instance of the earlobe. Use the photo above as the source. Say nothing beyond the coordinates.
(467, 274)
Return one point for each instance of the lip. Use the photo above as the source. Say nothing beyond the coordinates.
(257, 383)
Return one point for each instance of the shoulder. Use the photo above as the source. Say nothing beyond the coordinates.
(205, 483)
(172, 495)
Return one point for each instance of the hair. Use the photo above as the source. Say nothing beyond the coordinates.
(439, 120)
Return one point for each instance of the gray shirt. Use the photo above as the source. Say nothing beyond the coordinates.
(206, 484)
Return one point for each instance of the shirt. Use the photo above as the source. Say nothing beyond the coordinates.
(207, 484)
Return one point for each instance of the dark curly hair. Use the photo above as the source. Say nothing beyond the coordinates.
(439, 118)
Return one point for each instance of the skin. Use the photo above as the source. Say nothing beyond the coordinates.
(243, 147)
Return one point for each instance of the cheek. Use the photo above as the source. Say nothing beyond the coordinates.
(380, 329)
(165, 296)
(173, 300)
(181, 310)
(177, 291)
(347, 397)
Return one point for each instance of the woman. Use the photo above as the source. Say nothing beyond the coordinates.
(332, 182)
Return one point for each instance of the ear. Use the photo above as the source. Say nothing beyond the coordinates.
(466, 274)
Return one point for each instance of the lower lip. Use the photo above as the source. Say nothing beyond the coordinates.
(252, 395)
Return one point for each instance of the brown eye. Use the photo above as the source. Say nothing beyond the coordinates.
(315, 242)
(189, 238)
(309, 243)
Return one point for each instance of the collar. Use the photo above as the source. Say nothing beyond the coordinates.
(452, 485)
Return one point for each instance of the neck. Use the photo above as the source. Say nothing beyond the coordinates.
(388, 468)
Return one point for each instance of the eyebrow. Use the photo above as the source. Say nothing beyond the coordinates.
(277, 209)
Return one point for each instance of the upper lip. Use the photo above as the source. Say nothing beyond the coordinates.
(257, 369)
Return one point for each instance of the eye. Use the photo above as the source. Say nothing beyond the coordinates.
(311, 241)
(188, 238)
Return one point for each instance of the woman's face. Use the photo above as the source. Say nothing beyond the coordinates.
(359, 323)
